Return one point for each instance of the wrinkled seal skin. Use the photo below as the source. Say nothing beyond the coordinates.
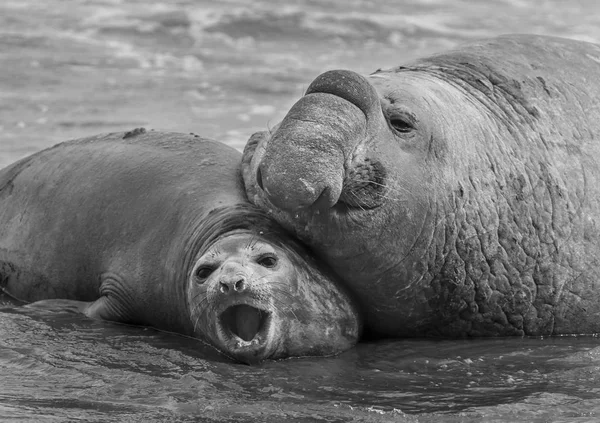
(154, 229)
(457, 195)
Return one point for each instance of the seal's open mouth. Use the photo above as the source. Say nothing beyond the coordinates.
(244, 321)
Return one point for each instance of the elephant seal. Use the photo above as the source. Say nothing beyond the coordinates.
(154, 229)
(457, 195)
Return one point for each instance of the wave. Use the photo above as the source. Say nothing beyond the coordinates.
(294, 24)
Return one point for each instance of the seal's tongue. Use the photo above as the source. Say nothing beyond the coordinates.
(247, 322)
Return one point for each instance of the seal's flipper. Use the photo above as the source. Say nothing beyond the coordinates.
(60, 305)
(107, 308)
(116, 302)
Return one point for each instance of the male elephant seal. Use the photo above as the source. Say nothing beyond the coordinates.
(457, 195)
(154, 229)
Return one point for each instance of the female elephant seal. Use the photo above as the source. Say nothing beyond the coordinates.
(458, 195)
(155, 229)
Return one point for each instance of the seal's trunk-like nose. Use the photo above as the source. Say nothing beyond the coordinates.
(305, 159)
(348, 85)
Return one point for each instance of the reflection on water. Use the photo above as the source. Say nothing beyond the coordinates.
(62, 366)
(224, 69)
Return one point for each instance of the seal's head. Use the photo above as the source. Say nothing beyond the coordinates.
(364, 170)
(255, 294)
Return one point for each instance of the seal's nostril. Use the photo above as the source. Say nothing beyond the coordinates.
(259, 180)
(239, 285)
(325, 200)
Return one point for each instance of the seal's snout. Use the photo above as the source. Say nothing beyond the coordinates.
(259, 179)
(305, 160)
(348, 85)
(320, 194)
(233, 278)
(235, 285)
(364, 185)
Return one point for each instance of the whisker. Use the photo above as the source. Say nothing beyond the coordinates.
(399, 190)
(195, 297)
(278, 309)
(9, 295)
(196, 322)
(392, 189)
(358, 199)
(201, 316)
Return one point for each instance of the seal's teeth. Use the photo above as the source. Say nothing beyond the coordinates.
(244, 344)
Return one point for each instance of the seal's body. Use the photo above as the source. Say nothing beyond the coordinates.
(154, 229)
(458, 195)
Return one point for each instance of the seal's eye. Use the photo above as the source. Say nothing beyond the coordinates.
(399, 117)
(202, 273)
(401, 125)
(267, 261)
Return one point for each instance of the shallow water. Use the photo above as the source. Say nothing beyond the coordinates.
(59, 366)
(224, 69)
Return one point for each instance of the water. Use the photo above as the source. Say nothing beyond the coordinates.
(58, 366)
(225, 69)
(222, 68)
